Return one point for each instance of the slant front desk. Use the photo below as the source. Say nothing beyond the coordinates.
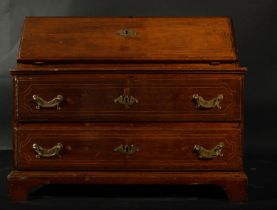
(114, 100)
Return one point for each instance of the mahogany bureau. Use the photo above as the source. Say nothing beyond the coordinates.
(117, 100)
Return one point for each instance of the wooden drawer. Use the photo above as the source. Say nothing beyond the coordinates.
(155, 147)
(145, 97)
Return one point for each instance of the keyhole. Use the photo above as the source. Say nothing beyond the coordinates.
(127, 148)
(126, 99)
(126, 32)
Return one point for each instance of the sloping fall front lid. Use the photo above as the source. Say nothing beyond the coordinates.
(127, 39)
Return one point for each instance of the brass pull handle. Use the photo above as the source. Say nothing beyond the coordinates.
(203, 153)
(129, 150)
(55, 102)
(47, 153)
(202, 103)
(126, 100)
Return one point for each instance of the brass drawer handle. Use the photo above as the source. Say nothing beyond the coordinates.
(55, 102)
(129, 150)
(126, 100)
(203, 153)
(202, 103)
(47, 153)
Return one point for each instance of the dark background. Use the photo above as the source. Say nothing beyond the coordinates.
(255, 23)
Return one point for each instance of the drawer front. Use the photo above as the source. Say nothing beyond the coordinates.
(128, 97)
(128, 147)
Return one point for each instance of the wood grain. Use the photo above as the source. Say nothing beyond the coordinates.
(162, 97)
(166, 39)
(167, 61)
(234, 183)
(161, 147)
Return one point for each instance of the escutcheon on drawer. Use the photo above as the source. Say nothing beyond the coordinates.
(128, 147)
(128, 97)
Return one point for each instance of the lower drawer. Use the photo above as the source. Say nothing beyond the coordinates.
(173, 147)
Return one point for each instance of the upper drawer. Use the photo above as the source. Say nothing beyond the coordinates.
(128, 97)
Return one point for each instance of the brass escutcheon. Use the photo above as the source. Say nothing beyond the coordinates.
(126, 100)
(129, 150)
(127, 33)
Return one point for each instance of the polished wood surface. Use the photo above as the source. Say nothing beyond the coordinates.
(165, 39)
(162, 97)
(162, 62)
(234, 183)
(110, 68)
(161, 147)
